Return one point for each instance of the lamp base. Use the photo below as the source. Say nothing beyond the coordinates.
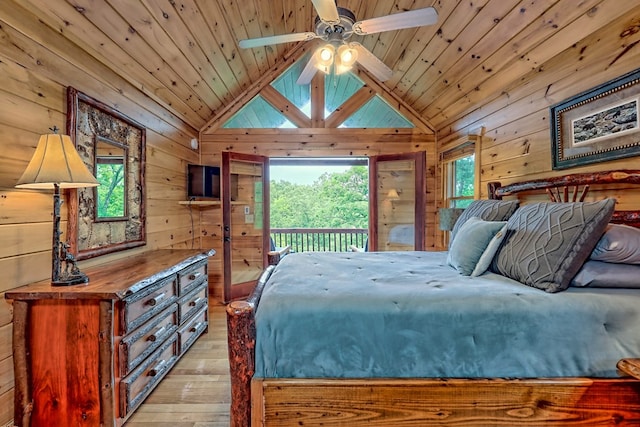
(75, 279)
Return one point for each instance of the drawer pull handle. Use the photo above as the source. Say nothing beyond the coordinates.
(158, 368)
(156, 335)
(156, 300)
(194, 276)
(195, 327)
(195, 302)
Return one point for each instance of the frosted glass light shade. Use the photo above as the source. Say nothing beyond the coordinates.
(56, 161)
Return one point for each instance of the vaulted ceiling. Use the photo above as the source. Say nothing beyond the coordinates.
(184, 54)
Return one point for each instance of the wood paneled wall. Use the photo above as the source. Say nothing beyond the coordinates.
(36, 66)
(517, 144)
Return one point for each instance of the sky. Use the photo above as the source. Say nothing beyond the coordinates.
(305, 175)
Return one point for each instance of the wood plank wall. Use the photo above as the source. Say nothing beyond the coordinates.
(37, 64)
(517, 144)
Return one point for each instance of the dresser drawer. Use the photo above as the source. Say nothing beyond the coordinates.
(192, 302)
(192, 329)
(135, 387)
(149, 301)
(191, 277)
(139, 344)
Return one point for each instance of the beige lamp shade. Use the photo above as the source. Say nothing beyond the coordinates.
(56, 161)
(393, 194)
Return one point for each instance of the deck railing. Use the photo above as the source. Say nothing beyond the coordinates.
(320, 239)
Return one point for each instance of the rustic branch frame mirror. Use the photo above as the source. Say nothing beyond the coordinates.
(92, 124)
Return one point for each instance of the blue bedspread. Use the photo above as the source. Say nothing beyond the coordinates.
(409, 315)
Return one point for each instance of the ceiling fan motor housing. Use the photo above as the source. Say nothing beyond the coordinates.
(336, 32)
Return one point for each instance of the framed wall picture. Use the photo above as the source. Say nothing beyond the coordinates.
(597, 125)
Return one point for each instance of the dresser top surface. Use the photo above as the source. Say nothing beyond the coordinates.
(116, 279)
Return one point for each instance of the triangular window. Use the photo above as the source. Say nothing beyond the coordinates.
(258, 113)
(285, 104)
(339, 88)
(299, 95)
(376, 113)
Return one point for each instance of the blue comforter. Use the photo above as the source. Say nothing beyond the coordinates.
(409, 315)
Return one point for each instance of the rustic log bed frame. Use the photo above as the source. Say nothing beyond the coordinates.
(434, 401)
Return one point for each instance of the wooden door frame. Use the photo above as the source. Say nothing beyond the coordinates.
(419, 159)
(227, 158)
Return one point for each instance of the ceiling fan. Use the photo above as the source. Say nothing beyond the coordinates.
(336, 25)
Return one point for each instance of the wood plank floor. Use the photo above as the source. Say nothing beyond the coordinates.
(196, 392)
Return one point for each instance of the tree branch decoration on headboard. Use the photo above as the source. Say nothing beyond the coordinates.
(90, 123)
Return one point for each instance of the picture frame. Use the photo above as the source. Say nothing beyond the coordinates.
(597, 125)
(91, 123)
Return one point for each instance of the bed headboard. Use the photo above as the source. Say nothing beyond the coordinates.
(574, 187)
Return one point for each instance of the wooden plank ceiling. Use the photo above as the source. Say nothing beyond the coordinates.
(184, 54)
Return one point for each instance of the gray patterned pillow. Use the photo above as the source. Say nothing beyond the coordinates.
(488, 210)
(547, 243)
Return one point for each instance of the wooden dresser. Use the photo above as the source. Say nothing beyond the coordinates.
(88, 355)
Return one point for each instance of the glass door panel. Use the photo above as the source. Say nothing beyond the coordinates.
(397, 202)
(245, 222)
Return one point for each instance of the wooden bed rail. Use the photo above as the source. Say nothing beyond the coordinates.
(497, 191)
(567, 189)
(241, 334)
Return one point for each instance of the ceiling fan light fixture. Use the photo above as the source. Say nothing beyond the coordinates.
(324, 58)
(347, 55)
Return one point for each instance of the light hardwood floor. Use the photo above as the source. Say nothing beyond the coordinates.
(196, 392)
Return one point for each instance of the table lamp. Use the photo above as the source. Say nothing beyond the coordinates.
(56, 164)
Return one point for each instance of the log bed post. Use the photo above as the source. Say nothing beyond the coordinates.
(241, 333)
(242, 342)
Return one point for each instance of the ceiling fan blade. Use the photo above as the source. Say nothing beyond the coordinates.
(327, 11)
(283, 38)
(397, 21)
(371, 62)
(308, 72)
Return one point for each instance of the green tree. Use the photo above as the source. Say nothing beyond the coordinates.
(335, 200)
(111, 190)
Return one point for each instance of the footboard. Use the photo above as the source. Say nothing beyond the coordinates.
(241, 332)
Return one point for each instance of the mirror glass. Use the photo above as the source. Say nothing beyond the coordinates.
(110, 169)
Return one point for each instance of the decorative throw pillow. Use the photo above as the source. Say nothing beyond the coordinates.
(619, 244)
(598, 274)
(488, 210)
(487, 256)
(473, 238)
(547, 243)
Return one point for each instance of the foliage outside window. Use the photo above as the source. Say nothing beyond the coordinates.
(460, 181)
(110, 175)
(334, 201)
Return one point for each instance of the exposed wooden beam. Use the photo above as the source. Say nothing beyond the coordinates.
(296, 53)
(350, 106)
(395, 101)
(282, 104)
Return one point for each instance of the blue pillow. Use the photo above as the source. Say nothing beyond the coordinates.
(599, 274)
(619, 244)
(472, 239)
(487, 256)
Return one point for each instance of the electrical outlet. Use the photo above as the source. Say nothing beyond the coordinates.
(247, 210)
